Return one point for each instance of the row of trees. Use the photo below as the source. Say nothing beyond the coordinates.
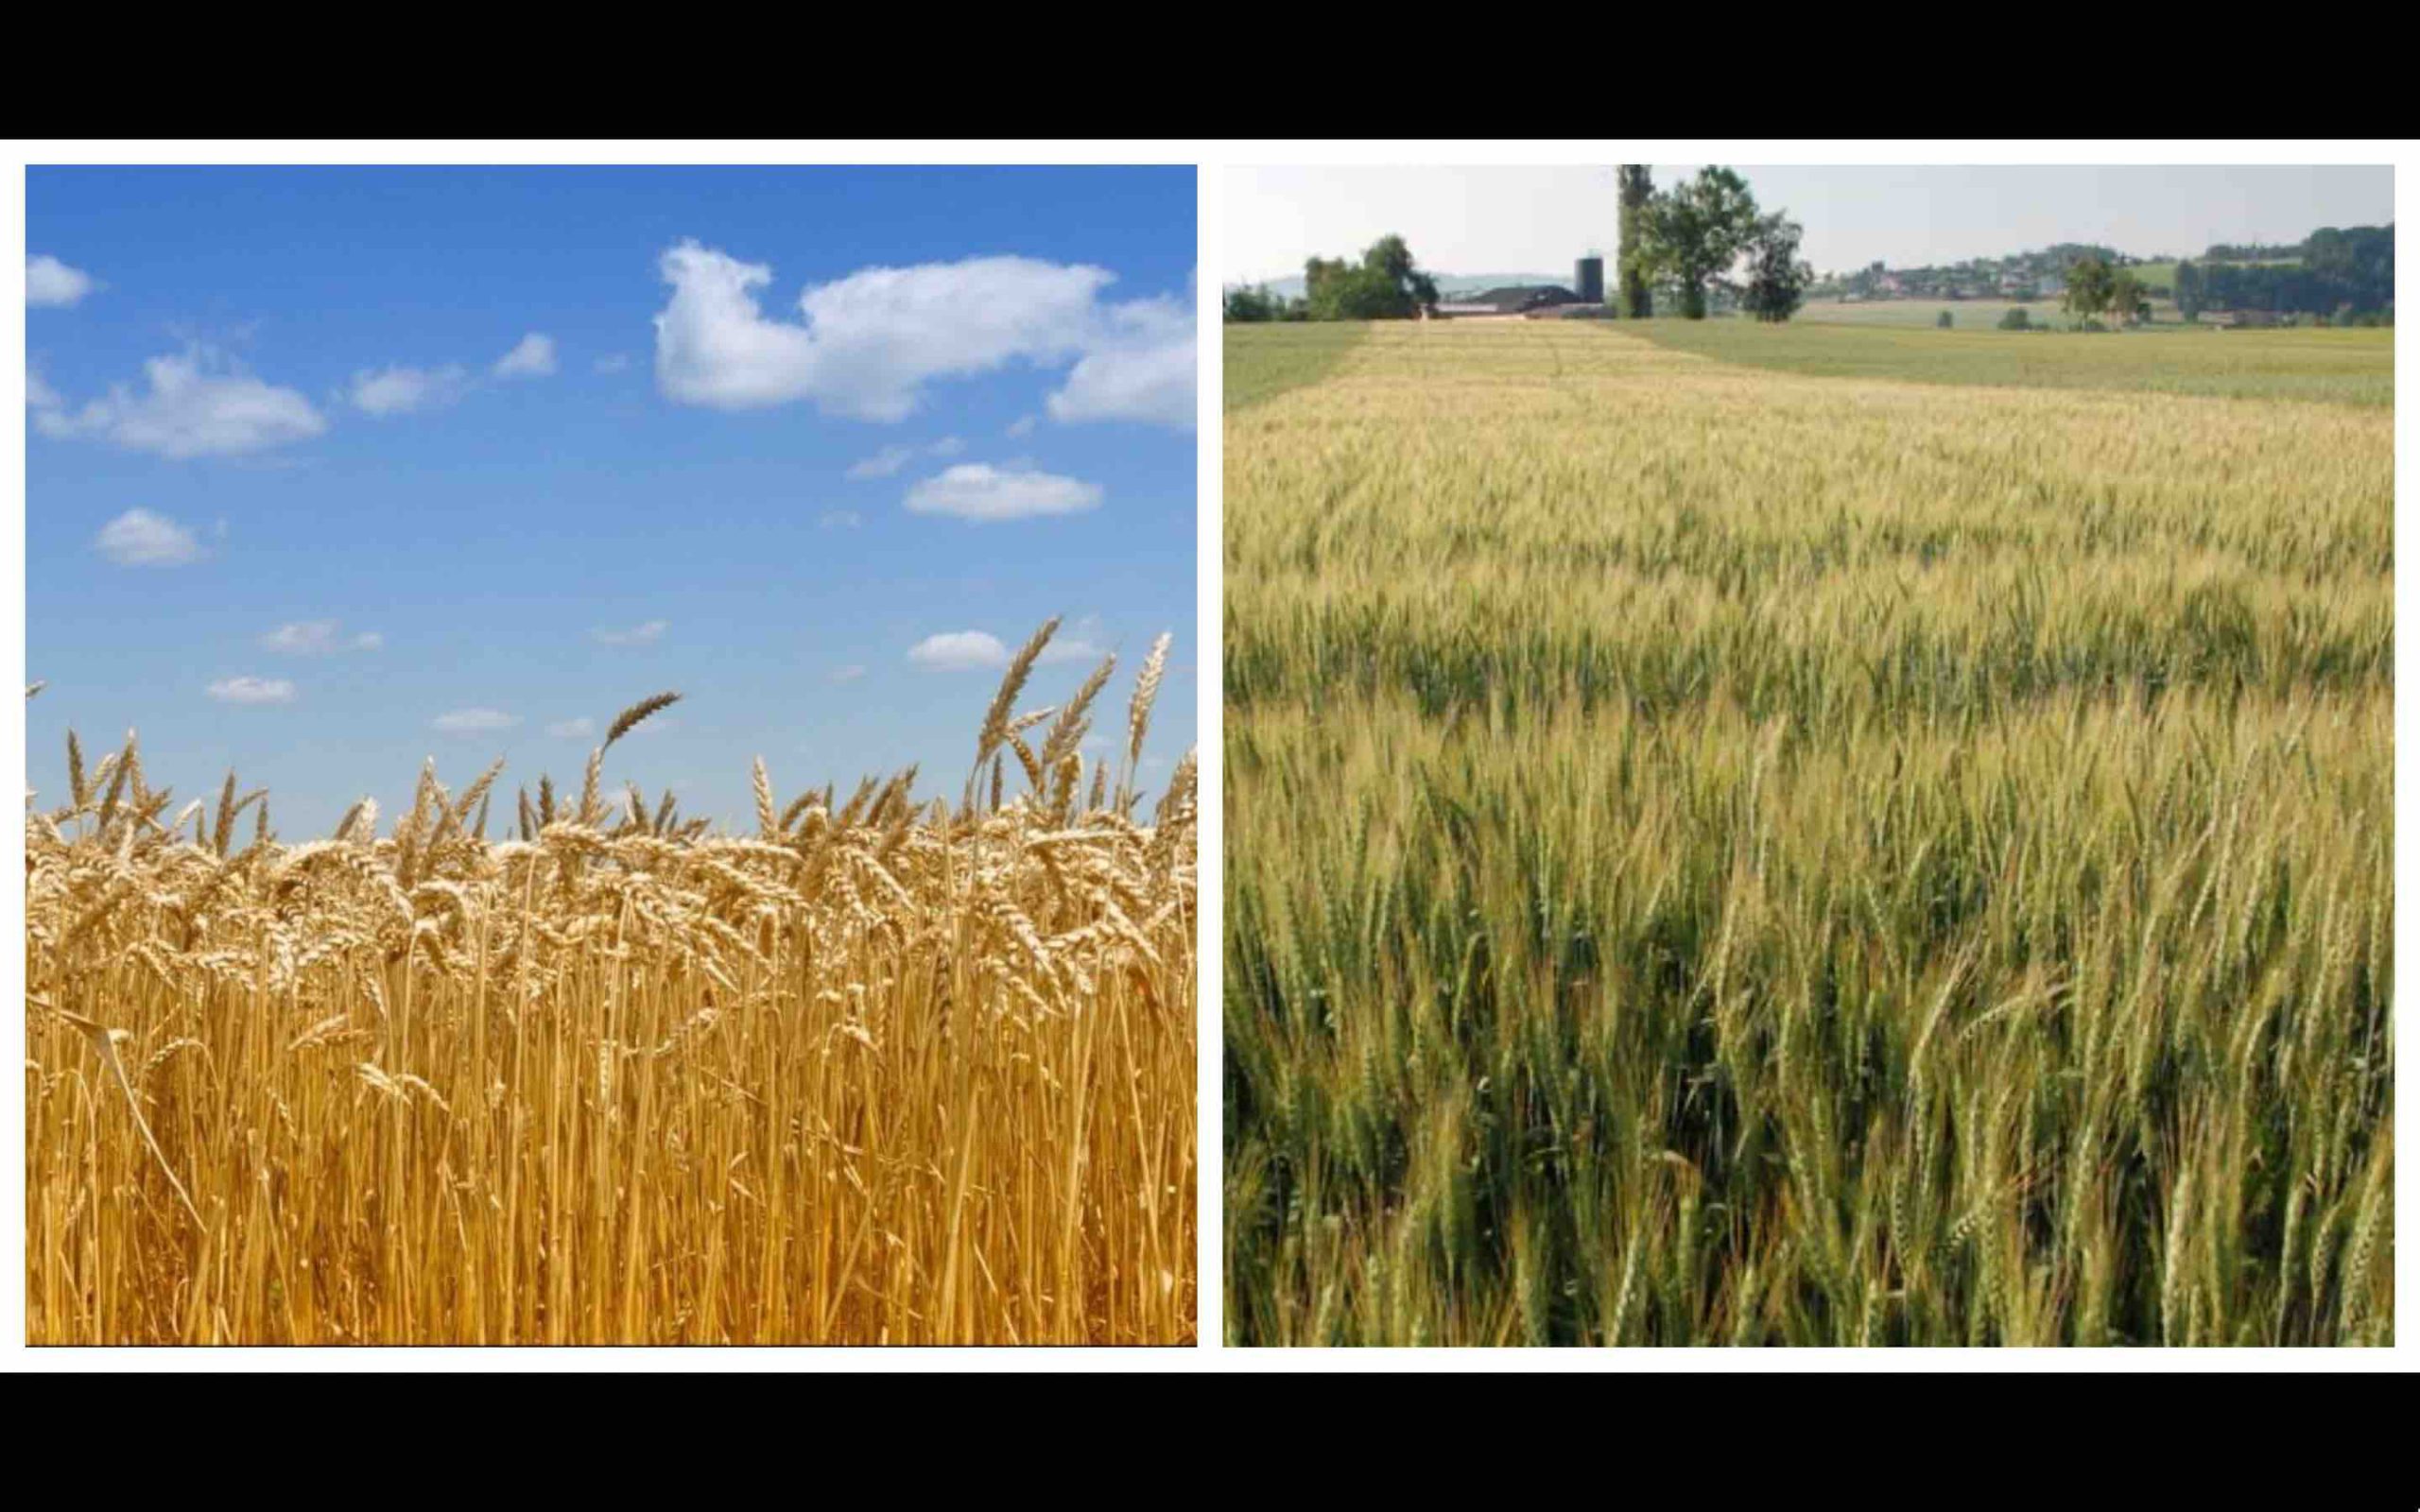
(2339, 271)
(1386, 284)
(1254, 304)
(2347, 273)
(2355, 281)
(1706, 235)
(2253, 251)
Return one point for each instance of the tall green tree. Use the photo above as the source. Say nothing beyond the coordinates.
(1777, 280)
(1387, 284)
(1697, 230)
(1636, 272)
(2092, 284)
(1391, 260)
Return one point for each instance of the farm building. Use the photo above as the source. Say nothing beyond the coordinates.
(2238, 319)
(1517, 298)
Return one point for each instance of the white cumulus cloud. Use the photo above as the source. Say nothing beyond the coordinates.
(1138, 367)
(982, 492)
(864, 345)
(533, 357)
(142, 539)
(474, 721)
(52, 284)
(194, 404)
(580, 729)
(252, 690)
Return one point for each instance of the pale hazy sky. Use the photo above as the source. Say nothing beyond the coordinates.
(1534, 219)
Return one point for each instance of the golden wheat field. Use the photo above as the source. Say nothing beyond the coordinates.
(875, 1071)
(1726, 855)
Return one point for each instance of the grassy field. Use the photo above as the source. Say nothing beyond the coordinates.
(2351, 367)
(1969, 315)
(1966, 314)
(871, 1071)
(1284, 356)
(1717, 854)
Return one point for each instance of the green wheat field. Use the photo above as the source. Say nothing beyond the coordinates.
(1732, 840)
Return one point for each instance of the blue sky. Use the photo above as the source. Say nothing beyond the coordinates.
(1538, 219)
(330, 469)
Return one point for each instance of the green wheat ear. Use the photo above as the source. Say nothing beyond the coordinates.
(1946, 813)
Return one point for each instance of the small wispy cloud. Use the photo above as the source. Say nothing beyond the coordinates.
(250, 690)
(473, 721)
(983, 494)
(848, 674)
(1022, 426)
(303, 638)
(971, 650)
(198, 403)
(400, 390)
(840, 520)
(318, 638)
(960, 651)
(612, 362)
(580, 729)
(887, 462)
(52, 285)
(647, 634)
(882, 464)
(532, 358)
(142, 539)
